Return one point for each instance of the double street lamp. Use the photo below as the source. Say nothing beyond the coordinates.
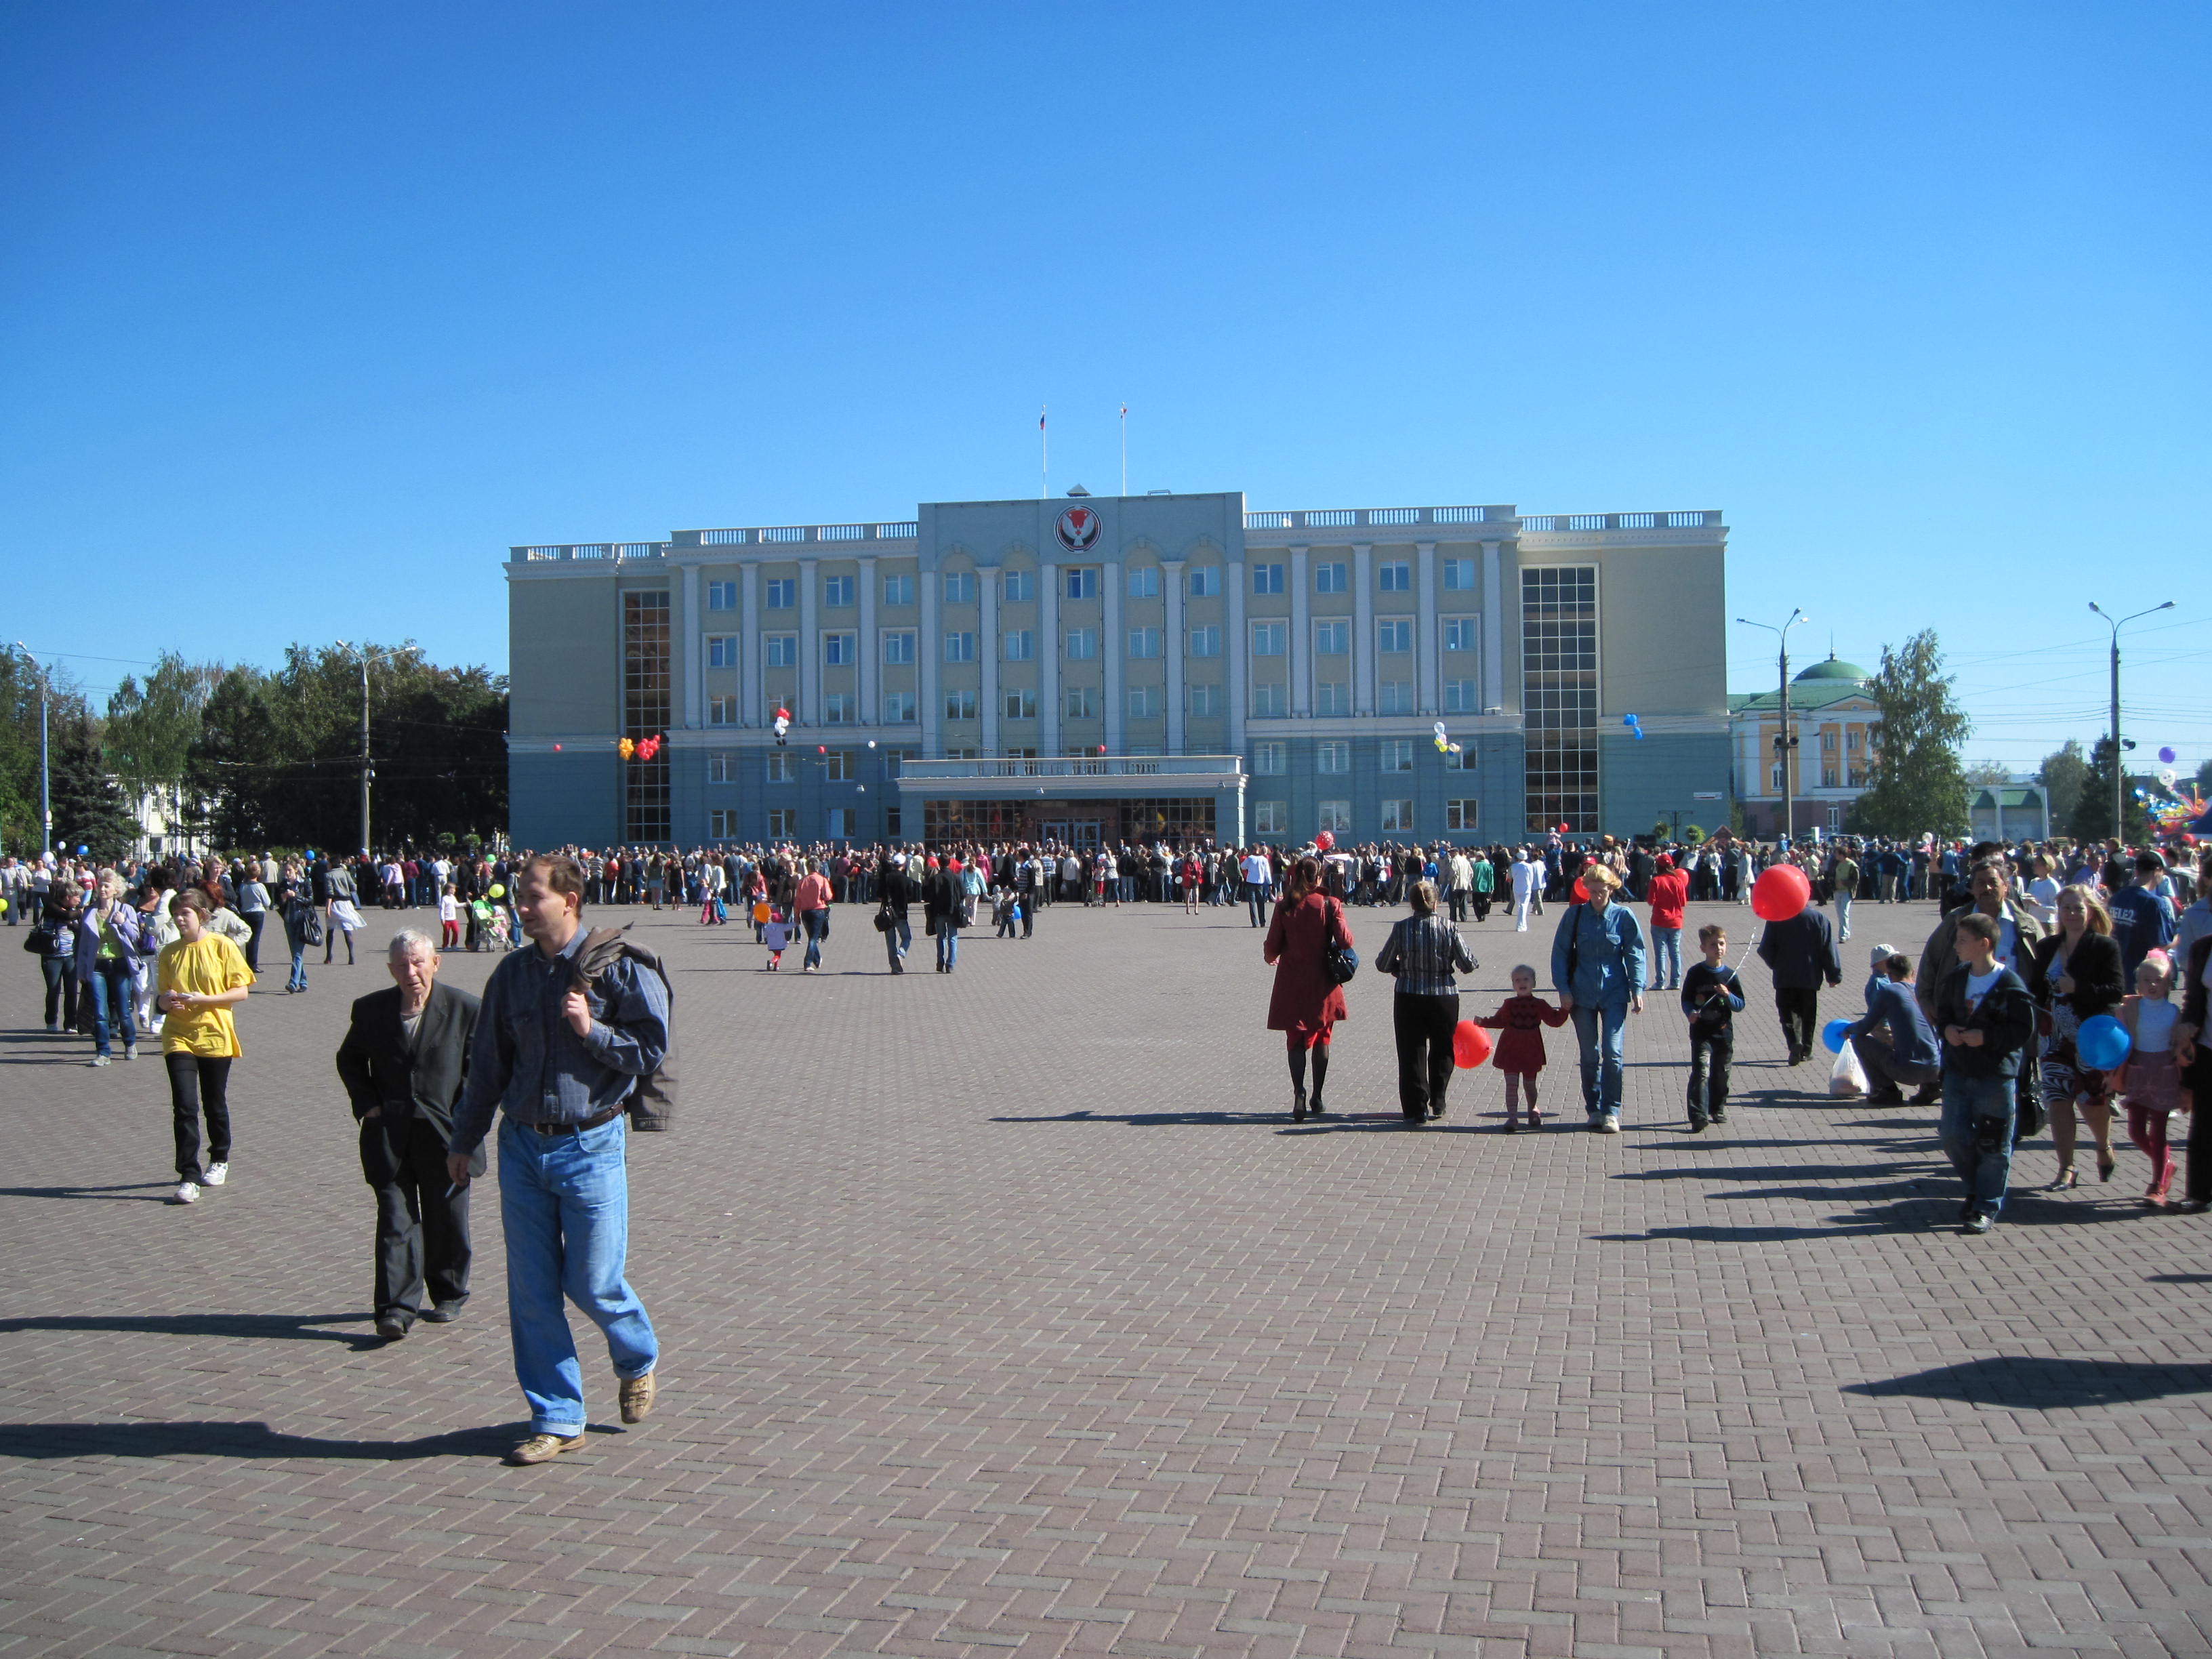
(362, 654)
(2120, 772)
(1784, 743)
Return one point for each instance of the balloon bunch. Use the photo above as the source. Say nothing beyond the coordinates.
(1444, 744)
(782, 725)
(1635, 727)
(644, 749)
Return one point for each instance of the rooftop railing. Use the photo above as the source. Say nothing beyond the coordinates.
(1343, 518)
(589, 550)
(1075, 766)
(1557, 521)
(769, 535)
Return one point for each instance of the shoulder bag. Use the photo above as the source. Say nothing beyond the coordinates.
(1338, 962)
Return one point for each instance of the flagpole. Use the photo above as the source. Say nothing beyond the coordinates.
(1044, 453)
(1125, 449)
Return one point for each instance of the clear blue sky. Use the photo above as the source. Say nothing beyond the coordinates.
(308, 311)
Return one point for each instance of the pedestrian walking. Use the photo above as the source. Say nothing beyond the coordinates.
(1424, 954)
(1527, 878)
(2150, 1081)
(942, 901)
(198, 978)
(895, 897)
(56, 935)
(811, 904)
(344, 914)
(1597, 968)
(1669, 893)
(1987, 1018)
(1519, 1054)
(1799, 954)
(110, 936)
(1306, 1003)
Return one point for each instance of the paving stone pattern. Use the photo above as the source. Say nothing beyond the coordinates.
(1008, 1313)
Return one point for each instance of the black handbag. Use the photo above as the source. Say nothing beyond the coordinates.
(886, 921)
(1338, 962)
(39, 941)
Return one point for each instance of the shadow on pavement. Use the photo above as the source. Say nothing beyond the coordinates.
(294, 1327)
(134, 1191)
(46, 1441)
(2039, 1385)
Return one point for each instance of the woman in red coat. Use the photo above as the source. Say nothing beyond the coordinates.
(1305, 1006)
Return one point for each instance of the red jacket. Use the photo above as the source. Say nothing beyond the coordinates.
(1304, 1001)
(1669, 893)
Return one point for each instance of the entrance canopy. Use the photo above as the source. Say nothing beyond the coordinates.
(1081, 798)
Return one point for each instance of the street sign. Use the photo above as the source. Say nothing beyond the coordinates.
(1704, 794)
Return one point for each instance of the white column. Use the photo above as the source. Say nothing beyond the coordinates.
(987, 642)
(1363, 630)
(751, 686)
(1493, 629)
(694, 646)
(927, 650)
(1047, 659)
(1426, 624)
(810, 650)
(1173, 644)
(1301, 646)
(872, 649)
(1238, 667)
(1111, 649)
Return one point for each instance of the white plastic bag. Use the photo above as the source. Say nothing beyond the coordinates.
(1847, 1077)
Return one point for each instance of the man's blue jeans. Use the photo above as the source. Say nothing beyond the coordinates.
(898, 938)
(564, 1204)
(1976, 1130)
(1666, 957)
(112, 1005)
(1597, 1032)
(817, 923)
(948, 943)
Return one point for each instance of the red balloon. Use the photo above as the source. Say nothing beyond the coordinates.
(1324, 841)
(1780, 893)
(1580, 893)
(1470, 1045)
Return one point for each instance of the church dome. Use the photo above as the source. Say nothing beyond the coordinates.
(1832, 669)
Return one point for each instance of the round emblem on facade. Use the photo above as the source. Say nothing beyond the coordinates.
(1077, 529)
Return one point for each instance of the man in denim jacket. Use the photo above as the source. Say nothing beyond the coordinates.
(1597, 968)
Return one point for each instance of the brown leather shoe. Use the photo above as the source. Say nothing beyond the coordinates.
(542, 1449)
(637, 1397)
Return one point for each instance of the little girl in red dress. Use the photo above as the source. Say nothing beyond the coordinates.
(1520, 1055)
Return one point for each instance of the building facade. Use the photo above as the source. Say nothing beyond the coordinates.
(1833, 717)
(1092, 667)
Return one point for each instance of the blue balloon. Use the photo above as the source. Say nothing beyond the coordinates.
(2102, 1043)
(1832, 1034)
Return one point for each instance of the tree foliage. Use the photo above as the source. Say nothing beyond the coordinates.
(2092, 817)
(2062, 775)
(89, 808)
(1915, 782)
(19, 746)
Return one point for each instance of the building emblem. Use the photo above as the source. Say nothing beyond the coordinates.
(1078, 530)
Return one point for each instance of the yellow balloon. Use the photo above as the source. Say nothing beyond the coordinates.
(495, 891)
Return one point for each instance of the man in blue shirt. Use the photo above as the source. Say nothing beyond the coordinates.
(1894, 1043)
(2143, 918)
(1597, 968)
(558, 1057)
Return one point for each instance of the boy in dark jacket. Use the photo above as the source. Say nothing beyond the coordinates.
(1712, 996)
(1986, 1018)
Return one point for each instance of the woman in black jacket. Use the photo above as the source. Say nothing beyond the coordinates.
(2075, 975)
(57, 961)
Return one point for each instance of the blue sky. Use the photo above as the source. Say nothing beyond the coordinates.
(307, 312)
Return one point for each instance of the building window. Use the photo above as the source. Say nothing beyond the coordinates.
(1204, 581)
(837, 708)
(1205, 642)
(1558, 696)
(1461, 697)
(1335, 816)
(1269, 638)
(899, 707)
(1202, 700)
(1082, 643)
(898, 646)
(1850, 739)
(960, 705)
(1270, 760)
(1395, 578)
(1021, 705)
(647, 680)
(1774, 777)
(1397, 818)
(837, 766)
(1333, 756)
(721, 766)
(1267, 700)
(782, 592)
(782, 822)
(959, 647)
(1020, 644)
(1144, 581)
(1828, 742)
(781, 767)
(840, 650)
(1271, 817)
(1393, 697)
(1835, 818)
(1332, 639)
(1397, 754)
(721, 711)
(721, 651)
(898, 589)
(721, 596)
(1017, 586)
(1459, 634)
(1266, 579)
(1462, 761)
(841, 823)
(1459, 575)
(1828, 777)
(722, 824)
(960, 588)
(1082, 702)
(1462, 815)
(1329, 578)
(837, 593)
(1332, 697)
(1395, 634)
(1083, 581)
(1143, 701)
(1858, 777)
(1144, 642)
(780, 650)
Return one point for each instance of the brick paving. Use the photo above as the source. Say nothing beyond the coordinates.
(1009, 1314)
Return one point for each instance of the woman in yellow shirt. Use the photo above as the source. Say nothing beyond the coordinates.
(200, 977)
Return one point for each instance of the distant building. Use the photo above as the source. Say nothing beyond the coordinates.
(1832, 716)
(2009, 812)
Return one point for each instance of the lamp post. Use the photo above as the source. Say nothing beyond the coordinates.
(2119, 772)
(361, 654)
(1784, 743)
(45, 783)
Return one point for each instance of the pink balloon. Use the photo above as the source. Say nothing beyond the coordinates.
(1781, 891)
(1324, 841)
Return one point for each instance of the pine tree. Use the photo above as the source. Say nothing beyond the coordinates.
(90, 810)
(1916, 784)
(2091, 817)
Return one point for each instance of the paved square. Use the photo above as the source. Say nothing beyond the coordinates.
(1008, 1313)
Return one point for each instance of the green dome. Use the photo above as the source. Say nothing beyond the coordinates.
(1834, 669)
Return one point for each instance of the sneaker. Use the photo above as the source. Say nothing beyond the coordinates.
(215, 1175)
(188, 1192)
(637, 1394)
(1608, 1124)
(97, 1060)
(1978, 1223)
(542, 1449)
(129, 1051)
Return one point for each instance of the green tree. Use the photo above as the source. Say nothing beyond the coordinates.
(19, 747)
(89, 808)
(1694, 835)
(2062, 775)
(1987, 775)
(150, 730)
(1915, 782)
(2091, 817)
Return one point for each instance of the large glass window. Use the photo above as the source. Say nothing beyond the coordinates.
(721, 651)
(1205, 642)
(1332, 639)
(898, 589)
(782, 592)
(1270, 759)
(1204, 581)
(1329, 578)
(1144, 581)
(1333, 756)
(1459, 575)
(1397, 754)
(1393, 634)
(1558, 696)
(1394, 577)
(837, 591)
(1266, 579)
(1017, 586)
(646, 683)
(1268, 638)
(898, 646)
(721, 596)
(960, 588)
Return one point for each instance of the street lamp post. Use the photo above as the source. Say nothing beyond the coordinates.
(45, 783)
(1784, 743)
(2120, 772)
(362, 655)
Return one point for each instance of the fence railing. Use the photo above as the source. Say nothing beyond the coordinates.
(772, 535)
(1074, 766)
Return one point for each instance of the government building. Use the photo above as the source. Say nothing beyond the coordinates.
(1095, 667)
